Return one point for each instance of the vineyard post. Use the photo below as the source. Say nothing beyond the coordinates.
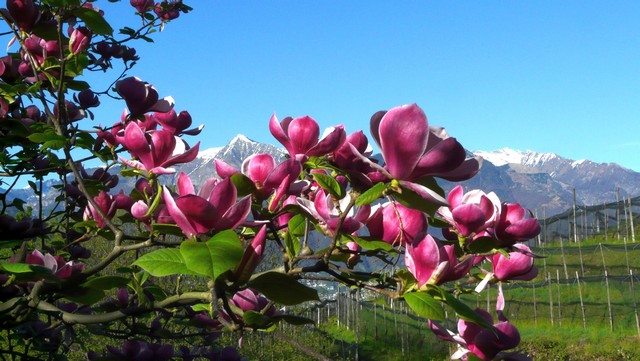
(606, 280)
(635, 304)
(559, 298)
(575, 223)
(626, 219)
(550, 296)
(606, 221)
(633, 232)
(535, 310)
(584, 317)
(564, 260)
(618, 212)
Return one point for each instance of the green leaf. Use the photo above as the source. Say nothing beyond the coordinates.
(164, 262)
(255, 319)
(84, 295)
(213, 258)
(329, 184)
(172, 229)
(371, 194)
(371, 245)
(46, 137)
(77, 85)
(24, 268)
(244, 185)
(406, 278)
(462, 310)
(283, 289)
(296, 225)
(424, 305)
(411, 199)
(106, 282)
(482, 245)
(94, 21)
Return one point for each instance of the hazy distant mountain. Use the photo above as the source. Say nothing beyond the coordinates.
(536, 180)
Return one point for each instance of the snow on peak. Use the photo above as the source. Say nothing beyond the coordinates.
(210, 153)
(510, 156)
(241, 138)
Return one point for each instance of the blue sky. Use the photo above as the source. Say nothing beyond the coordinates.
(550, 76)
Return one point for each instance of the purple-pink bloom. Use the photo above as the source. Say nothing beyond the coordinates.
(396, 224)
(252, 256)
(328, 213)
(470, 213)
(25, 13)
(215, 207)
(456, 268)
(141, 97)
(56, 264)
(423, 258)
(177, 123)
(87, 99)
(251, 300)
(79, 40)
(142, 6)
(156, 151)
(518, 266)
(513, 225)
(300, 136)
(108, 204)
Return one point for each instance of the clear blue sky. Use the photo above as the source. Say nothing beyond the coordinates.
(550, 76)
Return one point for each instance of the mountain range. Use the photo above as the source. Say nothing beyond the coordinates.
(538, 181)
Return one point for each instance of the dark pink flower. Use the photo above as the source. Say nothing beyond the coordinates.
(456, 268)
(156, 151)
(396, 224)
(25, 13)
(328, 213)
(250, 300)
(300, 136)
(108, 204)
(424, 259)
(470, 213)
(142, 6)
(87, 99)
(519, 265)
(141, 97)
(79, 40)
(177, 123)
(214, 208)
(56, 264)
(252, 256)
(513, 225)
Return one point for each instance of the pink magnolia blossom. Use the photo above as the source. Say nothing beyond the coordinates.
(214, 208)
(470, 213)
(354, 257)
(513, 225)
(396, 224)
(156, 151)
(108, 204)
(423, 258)
(483, 343)
(141, 97)
(328, 213)
(79, 40)
(456, 268)
(142, 6)
(300, 136)
(518, 266)
(252, 256)
(56, 264)
(251, 300)
(177, 123)
(24, 13)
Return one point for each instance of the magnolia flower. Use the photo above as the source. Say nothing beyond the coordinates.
(141, 97)
(250, 300)
(252, 256)
(325, 210)
(79, 40)
(300, 136)
(25, 13)
(470, 213)
(214, 208)
(156, 151)
(177, 123)
(518, 266)
(513, 225)
(56, 264)
(142, 6)
(483, 343)
(423, 259)
(396, 224)
(108, 204)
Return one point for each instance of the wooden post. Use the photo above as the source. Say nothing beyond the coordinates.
(618, 212)
(535, 309)
(635, 304)
(544, 226)
(550, 297)
(564, 260)
(604, 265)
(606, 221)
(584, 316)
(575, 223)
(633, 232)
(606, 280)
(559, 298)
(626, 219)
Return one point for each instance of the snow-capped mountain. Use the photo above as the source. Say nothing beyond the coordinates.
(547, 180)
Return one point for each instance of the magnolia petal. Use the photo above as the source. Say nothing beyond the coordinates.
(278, 132)
(224, 170)
(258, 167)
(467, 170)
(185, 157)
(223, 196)
(303, 134)
(177, 215)
(185, 186)
(334, 138)
(444, 157)
(403, 135)
(234, 217)
(422, 259)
